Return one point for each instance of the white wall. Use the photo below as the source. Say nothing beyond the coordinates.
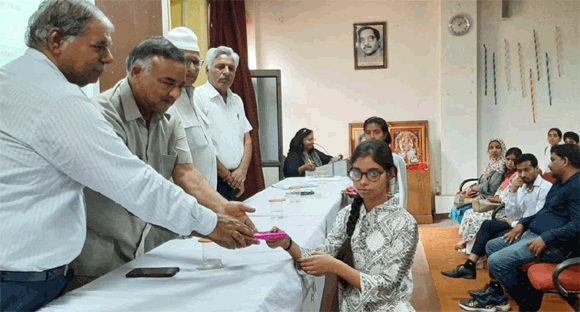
(312, 43)
(511, 119)
(458, 76)
(431, 74)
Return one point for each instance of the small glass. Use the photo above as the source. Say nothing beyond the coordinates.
(277, 208)
(212, 255)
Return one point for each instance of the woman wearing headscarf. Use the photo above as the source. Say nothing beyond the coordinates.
(488, 182)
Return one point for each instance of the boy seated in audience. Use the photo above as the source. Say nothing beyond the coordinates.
(552, 235)
(571, 137)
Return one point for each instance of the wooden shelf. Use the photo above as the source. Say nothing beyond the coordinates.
(419, 196)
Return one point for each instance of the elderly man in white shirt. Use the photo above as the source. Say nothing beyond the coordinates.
(230, 129)
(54, 142)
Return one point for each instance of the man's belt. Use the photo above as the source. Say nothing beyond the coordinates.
(12, 276)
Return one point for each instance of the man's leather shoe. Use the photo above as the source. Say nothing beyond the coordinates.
(460, 271)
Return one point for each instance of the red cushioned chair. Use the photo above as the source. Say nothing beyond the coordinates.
(563, 278)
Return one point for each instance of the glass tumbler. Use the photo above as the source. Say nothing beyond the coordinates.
(277, 208)
(212, 255)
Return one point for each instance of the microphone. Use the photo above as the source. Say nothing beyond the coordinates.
(334, 159)
(322, 148)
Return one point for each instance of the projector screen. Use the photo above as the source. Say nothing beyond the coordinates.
(14, 15)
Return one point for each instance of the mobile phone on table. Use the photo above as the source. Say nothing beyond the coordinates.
(153, 272)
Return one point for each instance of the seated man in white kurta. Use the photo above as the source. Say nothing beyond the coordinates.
(230, 129)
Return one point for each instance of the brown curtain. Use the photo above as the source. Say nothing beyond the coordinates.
(227, 26)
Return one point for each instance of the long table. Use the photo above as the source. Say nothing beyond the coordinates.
(256, 278)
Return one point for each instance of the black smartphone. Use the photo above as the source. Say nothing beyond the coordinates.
(153, 272)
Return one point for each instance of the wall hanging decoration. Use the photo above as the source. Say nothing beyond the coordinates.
(559, 49)
(522, 75)
(370, 45)
(507, 69)
(548, 78)
(494, 81)
(532, 96)
(485, 70)
(537, 56)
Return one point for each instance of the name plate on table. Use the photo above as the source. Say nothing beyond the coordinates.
(335, 169)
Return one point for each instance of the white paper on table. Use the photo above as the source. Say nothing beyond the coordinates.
(288, 182)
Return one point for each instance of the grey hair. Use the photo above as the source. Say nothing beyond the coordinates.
(69, 17)
(221, 50)
(141, 55)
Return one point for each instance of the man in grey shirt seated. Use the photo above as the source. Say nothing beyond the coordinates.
(139, 108)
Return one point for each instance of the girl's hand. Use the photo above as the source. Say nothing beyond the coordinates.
(318, 264)
(278, 243)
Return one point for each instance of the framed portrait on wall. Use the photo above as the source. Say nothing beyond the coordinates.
(370, 45)
(356, 134)
(410, 140)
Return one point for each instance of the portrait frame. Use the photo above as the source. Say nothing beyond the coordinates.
(416, 132)
(375, 61)
(356, 133)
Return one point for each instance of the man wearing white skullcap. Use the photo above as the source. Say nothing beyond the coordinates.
(139, 108)
(193, 118)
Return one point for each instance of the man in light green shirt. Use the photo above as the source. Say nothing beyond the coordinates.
(139, 110)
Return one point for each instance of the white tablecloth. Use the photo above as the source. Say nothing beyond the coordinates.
(256, 278)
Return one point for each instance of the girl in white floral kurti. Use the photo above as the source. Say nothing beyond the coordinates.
(372, 244)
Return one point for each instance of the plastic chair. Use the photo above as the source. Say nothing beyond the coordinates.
(401, 181)
(563, 278)
(465, 182)
(496, 210)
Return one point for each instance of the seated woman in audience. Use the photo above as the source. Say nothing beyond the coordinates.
(372, 244)
(302, 156)
(571, 137)
(488, 182)
(473, 219)
(554, 138)
(376, 128)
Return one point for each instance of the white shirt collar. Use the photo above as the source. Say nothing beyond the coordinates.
(35, 54)
(537, 183)
(213, 92)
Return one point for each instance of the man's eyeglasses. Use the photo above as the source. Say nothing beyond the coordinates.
(373, 175)
(196, 62)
